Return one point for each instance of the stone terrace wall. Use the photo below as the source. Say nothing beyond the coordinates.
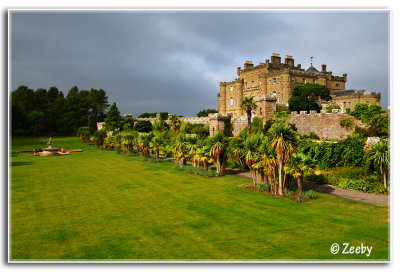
(325, 125)
(238, 123)
(191, 120)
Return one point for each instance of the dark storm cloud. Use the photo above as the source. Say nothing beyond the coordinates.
(174, 61)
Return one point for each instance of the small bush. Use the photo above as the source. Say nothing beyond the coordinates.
(347, 123)
(289, 194)
(309, 194)
(263, 187)
(361, 185)
(320, 179)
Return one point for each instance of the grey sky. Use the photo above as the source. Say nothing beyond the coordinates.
(174, 61)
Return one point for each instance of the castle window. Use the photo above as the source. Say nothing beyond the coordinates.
(279, 80)
(304, 80)
(293, 80)
(274, 80)
(274, 94)
(349, 104)
(252, 84)
(337, 85)
(314, 81)
(259, 83)
(270, 82)
(231, 102)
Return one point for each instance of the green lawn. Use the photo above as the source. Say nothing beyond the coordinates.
(99, 205)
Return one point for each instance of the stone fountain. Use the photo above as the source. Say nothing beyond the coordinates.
(50, 150)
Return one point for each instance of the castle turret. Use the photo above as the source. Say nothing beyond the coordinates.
(222, 97)
(239, 88)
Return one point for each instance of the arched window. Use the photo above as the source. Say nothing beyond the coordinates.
(274, 94)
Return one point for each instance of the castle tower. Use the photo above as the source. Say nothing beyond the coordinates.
(222, 98)
(239, 88)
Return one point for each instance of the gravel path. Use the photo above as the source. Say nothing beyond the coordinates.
(369, 198)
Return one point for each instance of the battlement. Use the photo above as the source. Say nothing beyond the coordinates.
(315, 113)
(266, 97)
(219, 116)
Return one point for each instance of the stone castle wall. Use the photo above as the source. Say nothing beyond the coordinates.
(191, 120)
(325, 125)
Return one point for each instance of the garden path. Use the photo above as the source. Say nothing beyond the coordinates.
(369, 198)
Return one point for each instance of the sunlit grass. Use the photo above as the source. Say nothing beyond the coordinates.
(100, 205)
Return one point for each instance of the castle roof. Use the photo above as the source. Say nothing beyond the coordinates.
(347, 92)
(312, 69)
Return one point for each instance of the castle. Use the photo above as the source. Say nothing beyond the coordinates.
(272, 83)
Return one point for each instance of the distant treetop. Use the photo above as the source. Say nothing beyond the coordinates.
(205, 112)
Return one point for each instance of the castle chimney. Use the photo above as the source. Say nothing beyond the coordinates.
(238, 71)
(345, 77)
(248, 64)
(276, 58)
(323, 68)
(289, 61)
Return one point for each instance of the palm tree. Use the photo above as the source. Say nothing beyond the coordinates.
(237, 151)
(127, 141)
(174, 121)
(284, 140)
(193, 142)
(297, 164)
(219, 144)
(203, 154)
(267, 163)
(180, 148)
(248, 104)
(379, 154)
(251, 148)
(156, 143)
(144, 141)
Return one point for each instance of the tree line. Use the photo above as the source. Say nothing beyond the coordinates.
(45, 112)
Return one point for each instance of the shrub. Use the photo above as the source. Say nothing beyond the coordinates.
(313, 135)
(290, 194)
(109, 143)
(99, 136)
(309, 194)
(361, 185)
(263, 187)
(84, 134)
(332, 106)
(320, 179)
(143, 126)
(347, 123)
